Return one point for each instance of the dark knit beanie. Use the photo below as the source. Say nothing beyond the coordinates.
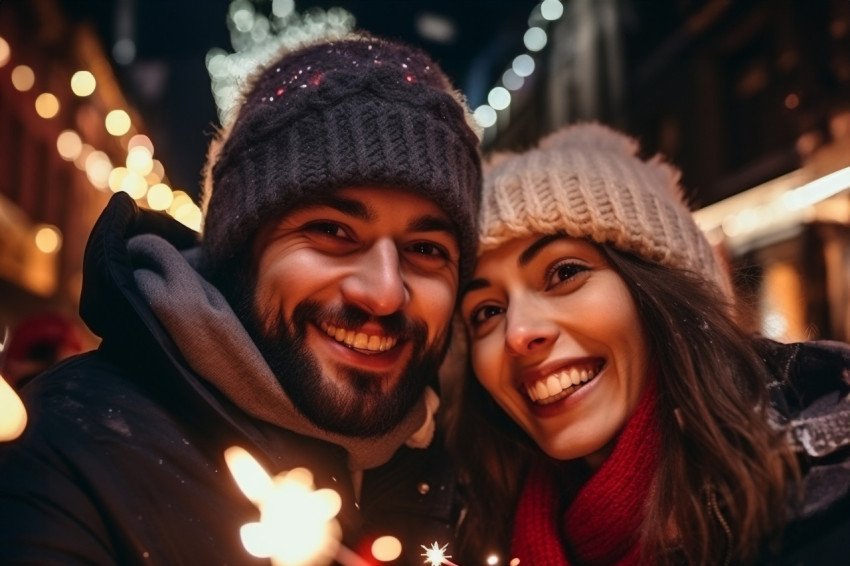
(360, 111)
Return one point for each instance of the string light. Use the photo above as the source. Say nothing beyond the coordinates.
(96, 164)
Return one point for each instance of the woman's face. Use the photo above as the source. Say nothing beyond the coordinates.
(556, 341)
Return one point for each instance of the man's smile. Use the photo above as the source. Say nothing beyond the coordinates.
(359, 340)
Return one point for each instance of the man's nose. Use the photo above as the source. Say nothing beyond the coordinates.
(529, 328)
(377, 284)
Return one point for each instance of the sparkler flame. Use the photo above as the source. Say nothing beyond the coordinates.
(297, 524)
(435, 555)
(13, 415)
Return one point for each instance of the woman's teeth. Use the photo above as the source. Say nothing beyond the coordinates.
(559, 384)
(359, 340)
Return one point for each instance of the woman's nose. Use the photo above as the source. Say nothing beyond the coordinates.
(377, 284)
(529, 329)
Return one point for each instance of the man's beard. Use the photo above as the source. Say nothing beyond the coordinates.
(355, 402)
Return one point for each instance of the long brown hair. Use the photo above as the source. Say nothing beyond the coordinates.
(721, 488)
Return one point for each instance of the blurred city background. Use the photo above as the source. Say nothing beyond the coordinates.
(751, 99)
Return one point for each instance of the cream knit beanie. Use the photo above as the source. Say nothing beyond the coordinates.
(587, 181)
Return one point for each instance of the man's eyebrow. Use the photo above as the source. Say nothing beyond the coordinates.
(347, 206)
(531, 252)
(431, 223)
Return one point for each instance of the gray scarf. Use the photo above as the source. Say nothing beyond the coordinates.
(219, 349)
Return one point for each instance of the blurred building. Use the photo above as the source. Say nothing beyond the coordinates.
(751, 99)
(69, 140)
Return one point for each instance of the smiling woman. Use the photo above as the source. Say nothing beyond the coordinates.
(615, 409)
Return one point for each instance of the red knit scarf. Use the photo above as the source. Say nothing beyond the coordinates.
(602, 524)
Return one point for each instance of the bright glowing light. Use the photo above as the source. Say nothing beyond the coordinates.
(117, 122)
(485, 116)
(551, 9)
(69, 145)
(523, 65)
(23, 78)
(48, 239)
(243, 17)
(180, 198)
(492, 560)
(98, 167)
(514, 562)
(116, 177)
(140, 140)
(534, 39)
(13, 415)
(386, 549)
(140, 160)
(435, 555)
(5, 52)
(190, 215)
(297, 522)
(134, 185)
(774, 325)
(160, 196)
(47, 105)
(157, 173)
(80, 161)
(817, 190)
(499, 98)
(511, 80)
(282, 8)
(83, 83)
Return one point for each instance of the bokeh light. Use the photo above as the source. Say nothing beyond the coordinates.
(5, 52)
(48, 238)
(83, 83)
(69, 145)
(534, 39)
(23, 78)
(117, 122)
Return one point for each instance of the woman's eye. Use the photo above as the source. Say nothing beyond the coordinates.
(565, 272)
(482, 314)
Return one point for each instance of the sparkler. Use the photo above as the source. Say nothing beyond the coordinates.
(435, 555)
(13, 415)
(297, 524)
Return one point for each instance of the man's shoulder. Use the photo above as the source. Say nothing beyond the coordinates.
(86, 398)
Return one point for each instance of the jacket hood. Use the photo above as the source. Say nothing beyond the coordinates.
(142, 294)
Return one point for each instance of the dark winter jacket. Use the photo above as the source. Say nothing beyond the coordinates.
(122, 459)
(812, 399)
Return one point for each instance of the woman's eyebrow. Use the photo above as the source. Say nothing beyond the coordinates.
(475, 285)
(535, 248)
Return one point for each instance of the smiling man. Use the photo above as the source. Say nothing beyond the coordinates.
(307, 326)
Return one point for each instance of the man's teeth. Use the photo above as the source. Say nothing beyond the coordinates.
(359, 340)
(555, 386)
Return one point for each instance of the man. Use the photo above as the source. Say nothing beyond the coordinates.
(305, 328)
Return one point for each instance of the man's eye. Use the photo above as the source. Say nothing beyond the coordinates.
(328, 228)
(429, 249)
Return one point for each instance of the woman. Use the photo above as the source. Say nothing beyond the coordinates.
(619, 414)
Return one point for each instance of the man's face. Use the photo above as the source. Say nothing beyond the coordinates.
(352, 304)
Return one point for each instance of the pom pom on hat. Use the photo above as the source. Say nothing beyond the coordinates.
(587, 181)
